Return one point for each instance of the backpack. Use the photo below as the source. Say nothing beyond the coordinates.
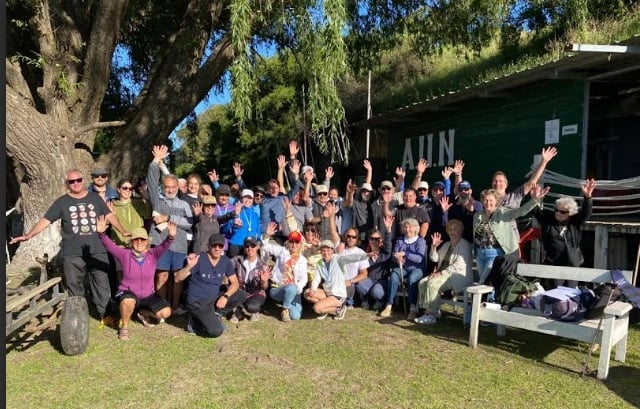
(512, 287)
(569, 309)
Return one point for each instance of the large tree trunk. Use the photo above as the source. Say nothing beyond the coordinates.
(43, 151)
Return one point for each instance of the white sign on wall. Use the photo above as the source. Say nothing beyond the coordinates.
(551, 131)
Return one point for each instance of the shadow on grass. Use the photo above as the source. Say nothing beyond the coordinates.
(623, 381)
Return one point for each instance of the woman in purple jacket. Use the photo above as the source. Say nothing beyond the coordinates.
(408, 253)
(136, 291)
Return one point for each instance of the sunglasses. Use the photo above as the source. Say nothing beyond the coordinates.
(386, 188)
(322, 194)
(103, 176)
(561, 211)
(139, 239)
(375, 238)
(310, 230)
(422, 189)
(217, 246)
(252, 246)
(350, 236)
(72, 181)
(258, 195)
(129, 188)
(295, 241)
(224, 194)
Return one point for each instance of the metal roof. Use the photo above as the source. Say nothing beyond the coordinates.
(592, 66)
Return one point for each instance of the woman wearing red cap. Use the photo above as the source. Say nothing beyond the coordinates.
(289, 273)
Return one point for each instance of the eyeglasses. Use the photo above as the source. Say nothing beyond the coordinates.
(103, 176)
(375, 238)
(217, 245)
(350, 236)
(562, 211)
(129, 188)
(72, 181)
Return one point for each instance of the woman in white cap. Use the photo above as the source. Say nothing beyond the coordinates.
(245, 224)
(136, 291)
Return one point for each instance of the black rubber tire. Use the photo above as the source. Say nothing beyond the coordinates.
(74, 326)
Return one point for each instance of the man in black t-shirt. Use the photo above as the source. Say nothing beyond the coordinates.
(82, 251)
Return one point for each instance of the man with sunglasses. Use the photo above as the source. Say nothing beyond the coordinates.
(208, 297)
(99, 184)
(464, 208)
(82, 251)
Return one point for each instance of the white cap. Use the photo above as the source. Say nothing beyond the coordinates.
(246, 192)
(307, 168)
(423, 185)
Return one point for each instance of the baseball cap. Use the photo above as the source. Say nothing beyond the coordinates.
(250, 241)
(208, 200)
(307, 168)
(366, 186)
(423, 185)
(386, 183)
(216, 238)
(295, 237)
(321, 189)
(438, 184)
(464, 185)
(223, 190)
(139, 233)
(99, 171)
(246, 192)
(326, 243)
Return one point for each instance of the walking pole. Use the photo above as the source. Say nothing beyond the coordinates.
(595, 336)
(403, 289)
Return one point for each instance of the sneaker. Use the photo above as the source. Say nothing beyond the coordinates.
(365, 305)
(254, 317)
(179, 311)
(144, 320)
(425, 319)
(322, 316)
(341, 311)
(386, 312)
(284, 315)
(377, 305)
(437, 314)
(190, 329)
(350, 306)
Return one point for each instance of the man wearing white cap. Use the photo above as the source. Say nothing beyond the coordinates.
(246, 224)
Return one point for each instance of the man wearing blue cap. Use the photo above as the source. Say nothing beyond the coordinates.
(464, 208)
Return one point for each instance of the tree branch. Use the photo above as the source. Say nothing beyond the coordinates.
(98, 125)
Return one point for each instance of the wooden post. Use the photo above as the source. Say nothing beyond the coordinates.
(601, 247)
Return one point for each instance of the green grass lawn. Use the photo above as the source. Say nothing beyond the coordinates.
(361, 362)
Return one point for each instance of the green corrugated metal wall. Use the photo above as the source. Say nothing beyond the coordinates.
(500, 133)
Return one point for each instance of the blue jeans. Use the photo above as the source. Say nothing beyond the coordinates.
(289, 298)
(484, 258)
(412, 275)
(367, 288)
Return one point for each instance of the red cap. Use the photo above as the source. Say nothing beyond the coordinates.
(295, 236)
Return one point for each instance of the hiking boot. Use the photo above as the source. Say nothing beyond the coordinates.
(386, 312)
(284, 315)
(341, 311)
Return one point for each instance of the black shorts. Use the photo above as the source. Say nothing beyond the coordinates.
(154, 302)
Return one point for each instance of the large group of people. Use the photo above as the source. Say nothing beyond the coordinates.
(170, 246)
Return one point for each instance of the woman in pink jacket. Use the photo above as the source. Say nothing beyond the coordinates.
(136, 291)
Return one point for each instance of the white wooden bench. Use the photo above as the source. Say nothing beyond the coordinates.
(612, 332)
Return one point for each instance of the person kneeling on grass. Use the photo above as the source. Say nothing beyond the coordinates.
(453, 271)
(332, 297)
(207, 272)
(136, 291)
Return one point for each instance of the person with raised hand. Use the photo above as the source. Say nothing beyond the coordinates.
(136, 291)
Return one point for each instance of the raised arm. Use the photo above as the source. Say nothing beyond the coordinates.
(545, 157)
(367, 165)
(421, 167)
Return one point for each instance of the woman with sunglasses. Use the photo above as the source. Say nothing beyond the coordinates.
(136, 290)
(131, 212)
(253, 276)
(562, 229)
(379, 251)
